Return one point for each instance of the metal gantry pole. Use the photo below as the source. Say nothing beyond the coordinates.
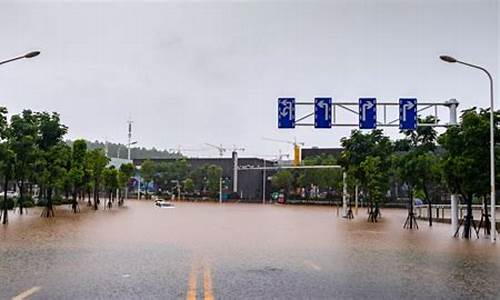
(344, 194)
(264, 179)
(220, 190)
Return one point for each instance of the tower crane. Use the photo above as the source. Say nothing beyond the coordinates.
(296, 148)
(181, 149)
(234, 150)
(220, 148)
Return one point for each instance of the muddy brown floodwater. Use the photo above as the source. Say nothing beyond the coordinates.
(239, 251)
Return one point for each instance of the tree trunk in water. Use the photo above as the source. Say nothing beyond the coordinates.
(21, 197)
(49, 210)
(110, 198)
(487, 222)
(74, 205)
(96, 196)
(5, 211)
(468, 220)
(89, 192)
(430, 213)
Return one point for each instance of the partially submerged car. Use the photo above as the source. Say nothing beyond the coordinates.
(164, 203)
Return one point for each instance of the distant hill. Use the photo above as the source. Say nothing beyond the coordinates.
(135, 152)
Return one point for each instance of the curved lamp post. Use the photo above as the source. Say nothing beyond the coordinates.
(450, 59)
(27, 55)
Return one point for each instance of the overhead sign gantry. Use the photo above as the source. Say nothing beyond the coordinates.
(366, 109)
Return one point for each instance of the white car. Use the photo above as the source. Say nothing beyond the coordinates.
(163, 203)
(11, 194)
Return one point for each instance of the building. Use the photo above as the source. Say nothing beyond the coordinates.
(315, 151)
(249, 182)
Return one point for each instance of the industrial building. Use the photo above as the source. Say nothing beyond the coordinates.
(249, 182)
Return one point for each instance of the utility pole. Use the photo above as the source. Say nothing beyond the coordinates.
(129, 137)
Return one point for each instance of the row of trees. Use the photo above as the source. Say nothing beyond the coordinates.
(429, 165)
(177, 174)
(34, 157)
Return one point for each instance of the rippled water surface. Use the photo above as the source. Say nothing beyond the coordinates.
(245, 251)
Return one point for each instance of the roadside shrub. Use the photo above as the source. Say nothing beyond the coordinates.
(10, 203)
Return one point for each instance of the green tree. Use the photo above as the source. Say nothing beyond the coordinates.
(188, 185)
(283, 180)
(377, 182)
(378, 149)
(466, 160)
(418, 165)
(23, 135)
(125, 173)
(54, 154)
(76, 173)
(111, 184)
(325, 178)
(7, 160)
(97, 163)
(148, 171)
(206, 178)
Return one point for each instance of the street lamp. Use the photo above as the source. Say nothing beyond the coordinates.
(27, 55)
(450, 59)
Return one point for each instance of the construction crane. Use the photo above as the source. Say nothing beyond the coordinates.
(220, 148)
(181, 149)
(278, 157)
(234, 150)
(296, 148)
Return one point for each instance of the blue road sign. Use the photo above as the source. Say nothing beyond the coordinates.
(408, 113)
(367, 113)
(286, 112)
(323, 113)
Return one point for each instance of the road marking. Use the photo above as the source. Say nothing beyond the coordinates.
(27, 293)
(207, 284)
(193, 278)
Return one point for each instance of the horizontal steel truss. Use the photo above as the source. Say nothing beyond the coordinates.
(347, 106)
(248, 168)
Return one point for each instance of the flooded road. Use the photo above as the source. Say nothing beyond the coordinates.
(244, 251)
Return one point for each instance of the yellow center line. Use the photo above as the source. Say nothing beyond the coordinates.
(193, 278)
(207, 284)
(27, 293)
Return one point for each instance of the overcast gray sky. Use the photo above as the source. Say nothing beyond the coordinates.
(190, 73)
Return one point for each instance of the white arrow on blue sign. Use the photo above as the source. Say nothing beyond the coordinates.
(322, 112)
(367, 113)
(408, 113)
(286, 112)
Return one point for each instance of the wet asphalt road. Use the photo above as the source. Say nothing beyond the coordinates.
(239, 251)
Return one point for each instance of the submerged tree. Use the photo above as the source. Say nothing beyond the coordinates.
(97, 162)
(7, 160)
(23, 137)
(53, 152)
(418, 165)
(377, 149)
(124, 174)
(466, 161)
(77, 171)
(148, 171)
(110, 180)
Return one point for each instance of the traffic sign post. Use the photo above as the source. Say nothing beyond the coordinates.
(323, 112)
(286, 113)
(408, 113)
(367, 113)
